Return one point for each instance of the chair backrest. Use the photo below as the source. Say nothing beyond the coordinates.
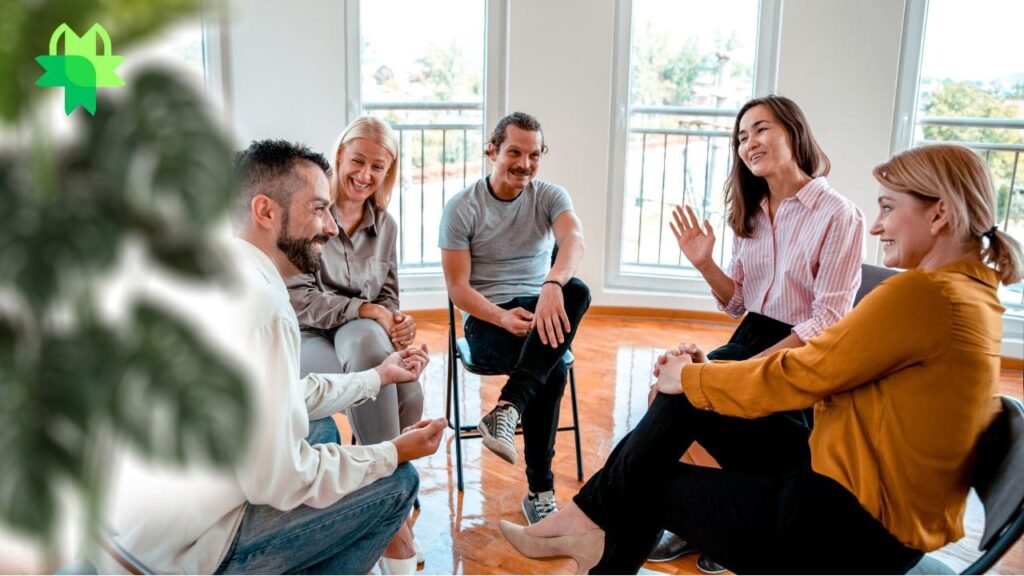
(998, 478)
(870, 276)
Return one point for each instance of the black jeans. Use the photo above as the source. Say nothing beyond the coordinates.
(764, 511)
(537, 376)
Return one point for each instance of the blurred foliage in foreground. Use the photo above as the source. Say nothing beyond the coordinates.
(152, 167)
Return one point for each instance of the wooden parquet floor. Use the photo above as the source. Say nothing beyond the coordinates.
(459, 531)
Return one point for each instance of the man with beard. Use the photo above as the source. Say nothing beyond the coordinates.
(523, 309)
(298, 501)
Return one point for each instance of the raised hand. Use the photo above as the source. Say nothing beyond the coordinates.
(696, 244)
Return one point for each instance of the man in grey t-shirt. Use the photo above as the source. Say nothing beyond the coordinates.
(496, 242)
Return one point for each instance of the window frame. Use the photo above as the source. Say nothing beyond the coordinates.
(765, 82)
(904, 125)
(495, 101)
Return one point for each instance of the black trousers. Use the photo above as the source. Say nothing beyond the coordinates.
(764, 511)
(755, 334)
(537, 376)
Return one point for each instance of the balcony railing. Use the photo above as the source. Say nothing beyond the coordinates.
(441, 150)
(678, 155)
(675, 155)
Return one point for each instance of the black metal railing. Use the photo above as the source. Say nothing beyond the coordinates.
(441, 152)
(675, 155)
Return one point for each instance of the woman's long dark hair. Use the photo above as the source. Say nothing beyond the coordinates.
(743, 190)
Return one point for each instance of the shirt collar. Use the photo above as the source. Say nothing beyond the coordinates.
(808, 195)
(368, 222)
(975, 269)
(260, 261)
(490, 190)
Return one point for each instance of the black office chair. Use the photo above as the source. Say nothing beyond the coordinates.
(996, 477)
(458, 351)
(871, 276)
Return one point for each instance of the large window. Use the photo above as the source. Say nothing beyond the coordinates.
(424, 73)
(970, 90)
(691, 64)
(181, 48)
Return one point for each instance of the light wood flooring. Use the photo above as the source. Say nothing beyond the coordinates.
(459, 531)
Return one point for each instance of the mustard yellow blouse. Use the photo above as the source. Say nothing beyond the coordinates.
(901, 387)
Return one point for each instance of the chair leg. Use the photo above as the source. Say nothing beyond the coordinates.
(453, 389)
(448, 393)
(576, 424)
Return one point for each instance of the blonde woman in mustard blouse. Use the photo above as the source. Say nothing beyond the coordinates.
(348, 310)
(902, 388)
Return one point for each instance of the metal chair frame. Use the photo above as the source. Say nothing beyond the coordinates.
(458, 353)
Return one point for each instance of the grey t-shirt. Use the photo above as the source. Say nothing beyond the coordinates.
(509, 241)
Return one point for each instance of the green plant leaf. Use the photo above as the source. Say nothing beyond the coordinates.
(177, 398)
(164, 169)
(152, 165)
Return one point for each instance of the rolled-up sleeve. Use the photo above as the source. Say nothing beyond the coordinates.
(838, 277)
(735, 307)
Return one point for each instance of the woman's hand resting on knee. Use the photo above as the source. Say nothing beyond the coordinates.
(668, 369)
(403, 330)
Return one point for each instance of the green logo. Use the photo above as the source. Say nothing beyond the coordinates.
(80, 70)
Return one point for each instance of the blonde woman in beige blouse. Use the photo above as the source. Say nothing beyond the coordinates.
(349, 311)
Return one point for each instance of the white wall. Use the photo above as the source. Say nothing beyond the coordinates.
(560, 71)
(838, 59)
(286, 67)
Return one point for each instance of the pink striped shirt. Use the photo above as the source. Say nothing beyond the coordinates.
(804, 270)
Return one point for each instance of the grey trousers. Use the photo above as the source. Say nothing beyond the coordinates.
(360, 345)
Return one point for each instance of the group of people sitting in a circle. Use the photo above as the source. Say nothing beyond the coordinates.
(844, 435)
